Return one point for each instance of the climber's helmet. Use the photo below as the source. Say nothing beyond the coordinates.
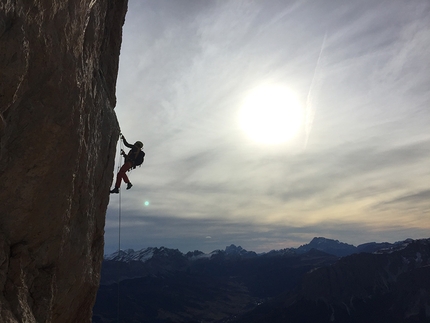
(139, 144)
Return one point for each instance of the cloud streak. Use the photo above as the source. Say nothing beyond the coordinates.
(310, 108)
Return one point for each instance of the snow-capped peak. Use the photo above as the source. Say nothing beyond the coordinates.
(131, 255)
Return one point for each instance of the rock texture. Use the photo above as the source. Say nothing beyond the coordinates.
(58, 132)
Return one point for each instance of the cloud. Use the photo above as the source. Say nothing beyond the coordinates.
(191, 234)
(185, 68)
(419, 201)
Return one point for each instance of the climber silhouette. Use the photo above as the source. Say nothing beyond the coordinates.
(134, 158)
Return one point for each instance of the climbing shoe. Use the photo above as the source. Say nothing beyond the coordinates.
(129, 185)
(115, 190)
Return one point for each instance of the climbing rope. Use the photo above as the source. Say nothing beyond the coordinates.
(119, 228)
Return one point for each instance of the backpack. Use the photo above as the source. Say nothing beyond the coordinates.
(139, 159)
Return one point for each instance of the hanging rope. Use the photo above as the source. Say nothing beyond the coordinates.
(119, 227)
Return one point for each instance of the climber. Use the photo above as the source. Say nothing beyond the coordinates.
(134, 158)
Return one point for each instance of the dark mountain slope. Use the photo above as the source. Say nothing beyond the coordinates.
(206, 290)
(393, 286)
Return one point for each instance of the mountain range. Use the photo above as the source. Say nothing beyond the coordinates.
(323, 281)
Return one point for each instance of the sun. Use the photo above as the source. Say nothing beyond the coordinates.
(271, 114)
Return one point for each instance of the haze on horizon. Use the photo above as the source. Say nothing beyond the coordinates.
(356, 169)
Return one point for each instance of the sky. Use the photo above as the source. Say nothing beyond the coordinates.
(355, 165)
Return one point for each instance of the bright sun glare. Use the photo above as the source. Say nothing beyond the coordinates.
(271, 114)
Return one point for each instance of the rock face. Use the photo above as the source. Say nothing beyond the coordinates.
(58, 132)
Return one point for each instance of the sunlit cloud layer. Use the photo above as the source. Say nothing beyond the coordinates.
(357, 169)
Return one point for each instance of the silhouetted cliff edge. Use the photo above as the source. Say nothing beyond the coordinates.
(58, 131)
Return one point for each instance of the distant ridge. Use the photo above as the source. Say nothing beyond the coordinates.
(330, 246)
(333, 247)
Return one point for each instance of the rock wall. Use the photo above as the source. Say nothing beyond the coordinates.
(58, 132)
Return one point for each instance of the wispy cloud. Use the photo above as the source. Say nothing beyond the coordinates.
(186, 67)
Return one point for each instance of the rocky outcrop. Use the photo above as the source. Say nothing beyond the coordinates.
(58, 131)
